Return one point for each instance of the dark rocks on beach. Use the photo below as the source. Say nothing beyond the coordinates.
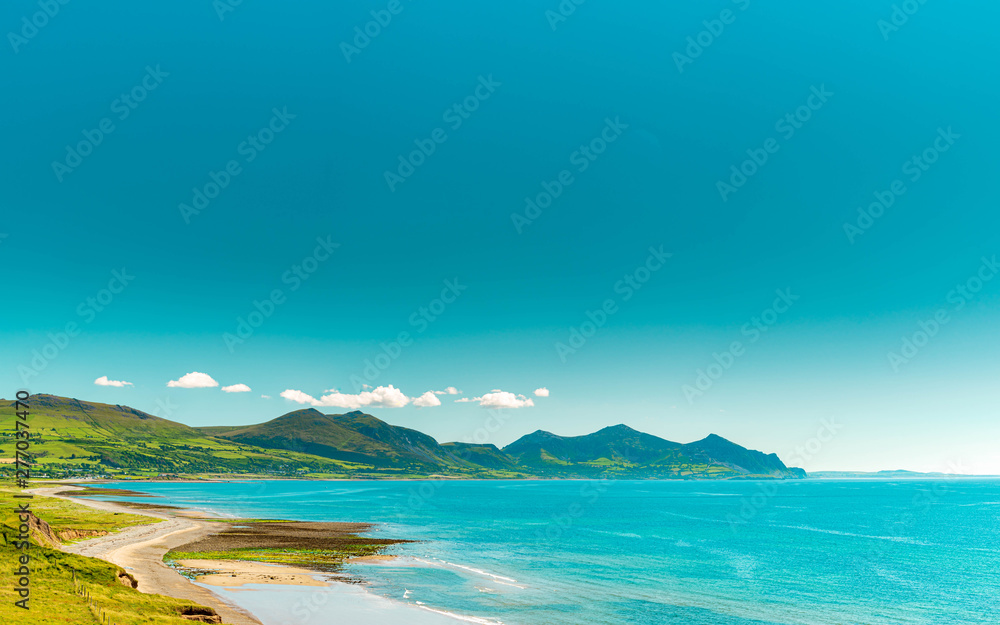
(200, 614)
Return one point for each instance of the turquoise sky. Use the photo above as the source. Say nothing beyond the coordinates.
(589, 203)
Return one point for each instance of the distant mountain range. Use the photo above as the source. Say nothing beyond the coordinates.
(882, 475)
(73, 437)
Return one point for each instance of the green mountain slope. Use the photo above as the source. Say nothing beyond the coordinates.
(354, 437)
(470, 454)
(714, 448)
(72, 436)
(619, 450)
(410, 444)
(75, 437)
(618, 443)
(71, 418)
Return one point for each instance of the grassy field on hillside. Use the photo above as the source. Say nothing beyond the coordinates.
(66, 516)
(56, 600)
(83, 438)
(96, 592)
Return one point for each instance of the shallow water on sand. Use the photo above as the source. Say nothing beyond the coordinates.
(805, 552)
(336, 603)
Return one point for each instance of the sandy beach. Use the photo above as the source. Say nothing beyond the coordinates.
(229, 573)
(139, 550)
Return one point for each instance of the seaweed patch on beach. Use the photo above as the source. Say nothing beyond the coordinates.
(81, 490)
(312, 545)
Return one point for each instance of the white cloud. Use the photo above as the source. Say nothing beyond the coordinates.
(541, 392)
(500, 399)
(382, 397)
(464, 400)
(427, 400)
(236, 388)
(193, 380)
(104, 381)
(451, 390)
(265, 397)
(299, 397)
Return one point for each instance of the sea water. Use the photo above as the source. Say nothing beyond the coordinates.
(818, 552)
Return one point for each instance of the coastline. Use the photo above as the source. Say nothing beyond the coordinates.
(140, 550)
(242, 591)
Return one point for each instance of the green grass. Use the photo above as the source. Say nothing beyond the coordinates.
(65, 516)
(550, 459)
(601, 462)
(307, 558)
(72, 438)
(55, 598)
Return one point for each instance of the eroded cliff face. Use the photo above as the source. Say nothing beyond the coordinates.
(42, 533)
(69, 535)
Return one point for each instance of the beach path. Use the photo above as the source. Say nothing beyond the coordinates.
(140, 549)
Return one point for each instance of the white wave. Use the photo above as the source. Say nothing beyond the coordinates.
(460, 617)
(609, 533)
(895, 539)
(500, 579)
(693, 518)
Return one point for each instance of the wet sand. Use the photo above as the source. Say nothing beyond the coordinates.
(234, 573)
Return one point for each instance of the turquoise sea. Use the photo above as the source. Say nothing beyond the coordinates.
(817, 552)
